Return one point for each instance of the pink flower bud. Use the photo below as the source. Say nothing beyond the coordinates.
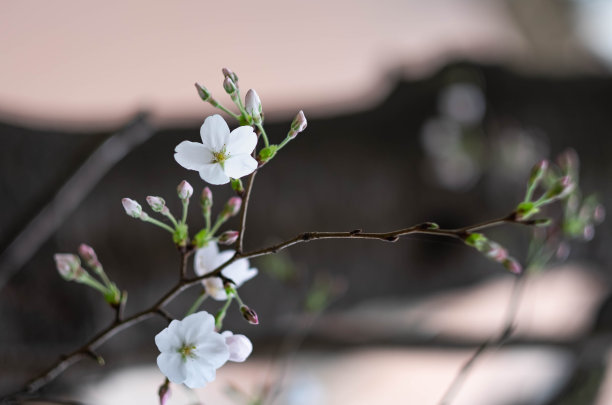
(184, 190)
(228, 237)
(207, 198)
(232, 207)
(68, 265)
(538, 171)
(561, 189)
(89, 255)
(202, 92)
(299, 124)
(249, 315)
(568, 161)
(229, 74)
(496, 252)
(512, 265)
(164, 393)
(131, 207)
(229, 85)
(252, 104)
(157, 204)
(240, 347)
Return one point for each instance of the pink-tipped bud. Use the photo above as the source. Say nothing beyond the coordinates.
(561, 189)
(131, 207)
(252, 104)
(298, 125)
(568, 161)
(68, 265)
(184, 190)
(240, 347)
(599, 214)
(229, 85)
(229, 74)
(232, 207)
(157, 204)
(228, 237)
(249, 315)
(512, 265)
(496, 252)
(538, 172)
(164, 393)
(88, 255)
(206, 199)
(202, 92)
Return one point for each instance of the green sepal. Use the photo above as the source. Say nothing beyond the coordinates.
(237, 185)
(267, 153)
(526, 209)
(113, 295)
(180, 234)
(201, 238)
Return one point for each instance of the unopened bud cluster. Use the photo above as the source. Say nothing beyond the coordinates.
(493, 250)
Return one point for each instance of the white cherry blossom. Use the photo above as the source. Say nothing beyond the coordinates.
(191, 350)
(209, 258)
(221, 155)
(240, 347)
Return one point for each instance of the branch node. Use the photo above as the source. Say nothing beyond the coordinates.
(306, 236)
(393, 238)
(355, 232)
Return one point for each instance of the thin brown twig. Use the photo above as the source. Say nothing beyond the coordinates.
(184, 283)
(243, 213)
(507, 331)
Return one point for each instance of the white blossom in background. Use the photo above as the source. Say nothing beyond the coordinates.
(191, 350)
(209, 258)
(221, 155)
(240, 347)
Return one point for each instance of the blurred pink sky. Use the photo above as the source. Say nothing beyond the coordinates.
(86, 63)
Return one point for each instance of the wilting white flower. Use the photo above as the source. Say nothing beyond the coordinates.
(191, 350)
(240, 347)
(221, 155)
(209, 258)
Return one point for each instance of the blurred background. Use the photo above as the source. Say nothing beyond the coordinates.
(417, 111)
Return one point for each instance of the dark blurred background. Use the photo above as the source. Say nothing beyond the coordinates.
(443, 128)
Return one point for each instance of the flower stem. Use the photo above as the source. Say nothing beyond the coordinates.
(263, 134)
(196, 304)
(158, 223)
(185, 210)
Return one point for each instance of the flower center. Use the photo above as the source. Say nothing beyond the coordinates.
(221, 156)
(187, 351)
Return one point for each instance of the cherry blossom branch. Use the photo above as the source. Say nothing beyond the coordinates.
(120, 324)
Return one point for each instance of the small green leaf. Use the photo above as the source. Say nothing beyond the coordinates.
(180, 234)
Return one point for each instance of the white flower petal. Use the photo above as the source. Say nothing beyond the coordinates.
(239, 272)
(213, 349)
(200, 373)
(214, 133)
(240, 347)
(240, 165)
(213, 173)
(214, 288)
(206, 258)
(172, 366)
(168, 340)
(224, 256)
(241, 141)
(192, 155)
(196, 327)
